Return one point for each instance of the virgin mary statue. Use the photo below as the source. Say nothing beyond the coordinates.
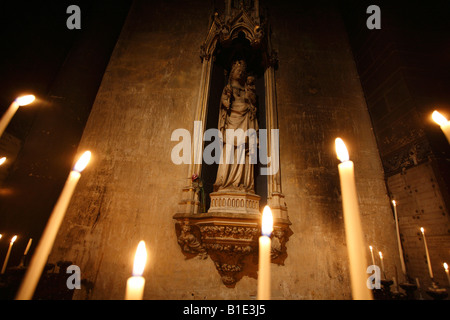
(238, 126)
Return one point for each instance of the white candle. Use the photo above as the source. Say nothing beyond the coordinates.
(446, 271)
(6, 118)
(400, 250)
(442, 121)
(353, 227)
(22, 261)
(430, 270)
(382, 263)
(136, 283)
(28, 247)
(264, 255)
(47, 240)
(5, 263)
(371, 253)
(417, 283)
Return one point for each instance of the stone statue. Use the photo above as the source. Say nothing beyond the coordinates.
(238, 112)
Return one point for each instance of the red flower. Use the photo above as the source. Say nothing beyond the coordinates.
(194, 177)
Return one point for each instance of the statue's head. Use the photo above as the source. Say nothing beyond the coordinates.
(238, 70)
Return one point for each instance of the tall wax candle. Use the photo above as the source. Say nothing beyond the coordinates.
(28, 247)
(264, 278)
(382, 263)
(353, 227)
(47, 240)
(371, 253)
(22, 261)
(5, 263)
(446, 272)
(6, 118)
(400, 250)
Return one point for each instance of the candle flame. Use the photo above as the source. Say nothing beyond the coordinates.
(341, 150)
(24, 100)
(2, 160)
(1, 236)
(13, 239)
(394, 203)
(381, 255)
(267, 222)
(422, 230)
(445, 266)
(370, 247)
(82, 162)
(140, 259)
(439, 118)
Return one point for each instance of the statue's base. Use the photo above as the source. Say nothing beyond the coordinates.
(234, 202)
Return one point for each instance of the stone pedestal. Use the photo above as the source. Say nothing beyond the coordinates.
(230, 238)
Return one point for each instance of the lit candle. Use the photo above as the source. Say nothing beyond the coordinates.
(442, 121)
(446, 271)
(136, 283)
(2, 160)
(264, 255)
(352, 222)
(400, 250)
(428, 254)
(8, 253)
(20, 101)
(382, 263)
(371, 253)
(47, 240)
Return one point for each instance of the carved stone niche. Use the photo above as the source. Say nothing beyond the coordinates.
(228, 233)
(234, 203)
(230, 240)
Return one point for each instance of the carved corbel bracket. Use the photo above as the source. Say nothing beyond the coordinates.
(230, 240)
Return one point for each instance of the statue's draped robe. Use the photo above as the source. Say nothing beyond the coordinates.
(235, 171)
